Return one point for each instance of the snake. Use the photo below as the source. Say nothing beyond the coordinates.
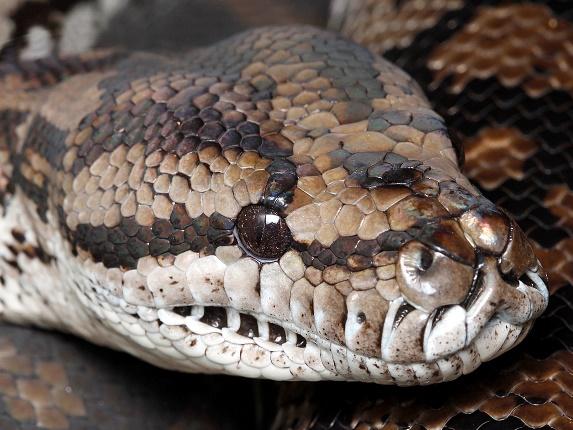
(499, 74)
(284, 204)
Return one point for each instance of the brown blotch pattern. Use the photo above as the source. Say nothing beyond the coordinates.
(493, 44)
(558, 260)
(496, 155)
(37, 391)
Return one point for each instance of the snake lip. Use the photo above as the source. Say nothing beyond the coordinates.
(497, 318)
(527, 301)
(448, 344)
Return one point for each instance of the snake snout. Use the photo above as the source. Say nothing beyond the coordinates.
(481, 299)
(507, 265)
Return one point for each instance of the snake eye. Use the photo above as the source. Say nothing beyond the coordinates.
(263, 232)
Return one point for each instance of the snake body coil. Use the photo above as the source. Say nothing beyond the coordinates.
(283, 204)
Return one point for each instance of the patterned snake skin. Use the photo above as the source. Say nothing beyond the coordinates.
(501, 76)
(431, 242)
(281, 205)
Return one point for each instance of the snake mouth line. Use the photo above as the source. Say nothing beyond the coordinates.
(313, 358)
(317, 358)
(234, 325)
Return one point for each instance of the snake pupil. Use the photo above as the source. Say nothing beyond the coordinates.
(263, 232)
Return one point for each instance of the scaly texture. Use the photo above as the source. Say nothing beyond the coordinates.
(515, 125)
(282, 204)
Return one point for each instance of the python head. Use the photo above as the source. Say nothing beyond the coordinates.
(281, 205)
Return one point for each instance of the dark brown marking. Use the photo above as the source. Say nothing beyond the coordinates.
(249, 326)
(123, 245)
(277, 334)
(214, 316)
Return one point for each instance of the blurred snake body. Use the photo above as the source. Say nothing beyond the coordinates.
(282, 205)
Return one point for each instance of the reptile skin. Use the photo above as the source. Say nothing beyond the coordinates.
(283, 204)
(500, 73)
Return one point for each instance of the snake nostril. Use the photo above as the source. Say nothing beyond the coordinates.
(426, 260)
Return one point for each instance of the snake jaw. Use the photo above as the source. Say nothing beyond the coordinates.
(405, 318)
